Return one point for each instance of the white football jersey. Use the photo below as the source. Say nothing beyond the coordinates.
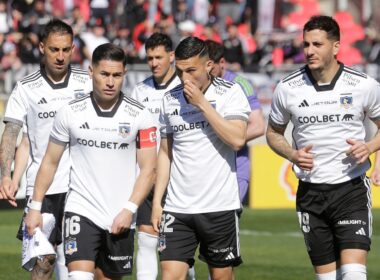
(103, 154)
(150, 94)
(34, 102)
(325, 116)
(203, 170)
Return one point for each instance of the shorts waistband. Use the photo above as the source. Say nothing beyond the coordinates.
(327, 187)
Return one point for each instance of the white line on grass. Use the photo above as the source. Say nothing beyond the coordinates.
(268, 233)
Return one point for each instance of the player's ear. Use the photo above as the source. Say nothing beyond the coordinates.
(41, 46)
(209, 66)
(336, 46)
(90, 71)
(171, 56)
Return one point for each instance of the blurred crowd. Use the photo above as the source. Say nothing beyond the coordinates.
(235, 23)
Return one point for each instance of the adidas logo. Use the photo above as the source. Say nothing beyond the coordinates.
(304, 104)
(85, 126)
(42, 101)
(145, 99)
(361, 231)
(174, 113)
(230, 256)
(127, 265)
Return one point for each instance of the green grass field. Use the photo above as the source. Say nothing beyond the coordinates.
(271, 244)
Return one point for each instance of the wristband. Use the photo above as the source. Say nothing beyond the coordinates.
(35, 205)
(131, 206)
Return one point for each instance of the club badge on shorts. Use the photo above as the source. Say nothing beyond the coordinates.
(161, 243)
(71, 246)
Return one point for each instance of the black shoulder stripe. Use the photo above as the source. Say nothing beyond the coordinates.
(354, 72)
(80, 73)
(133, 102)
(221, 82)
(79, 99)
(294, 75)
(78, 70)
(31, 77)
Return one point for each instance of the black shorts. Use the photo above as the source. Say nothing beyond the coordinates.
(335, 217)
(217, 233)
(144, 212)
(83, 240)
(54, 204)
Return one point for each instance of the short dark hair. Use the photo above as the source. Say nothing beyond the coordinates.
(215, 50)
(190, 47)
(324, 23)
(56, 26)
(159, 39)
(108, 51)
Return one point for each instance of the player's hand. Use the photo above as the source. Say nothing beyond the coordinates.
(33, 220)
(8, 190)
(358, 150)
(193, 93)
(122, 221)
(156, 216)
(375, 177)
(303, 158)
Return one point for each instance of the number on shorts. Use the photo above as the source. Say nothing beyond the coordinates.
(166, 221)
(304, 220)
(72, 226)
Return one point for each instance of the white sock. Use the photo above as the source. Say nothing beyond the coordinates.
(146, 259)
(326, 276)
(80, 275)
(191, 273)
(61, 272)
(354, 271)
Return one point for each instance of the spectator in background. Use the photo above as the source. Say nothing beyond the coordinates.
(256, 123)
(201, 11)
(228, 10)
(233, 49)
(293, 51)
(36, 18)
(4, 26)
(99, 9)
(181, 11)
(95, 36)
(11, 65)
(123, 39)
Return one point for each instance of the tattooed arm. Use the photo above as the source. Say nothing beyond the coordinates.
(278, 143)
(7, 153)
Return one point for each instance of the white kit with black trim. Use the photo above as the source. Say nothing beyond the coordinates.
(325, 116)
(34, 102)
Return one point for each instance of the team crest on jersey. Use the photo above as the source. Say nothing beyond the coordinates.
(124, 129)
(78, 93)
(71, 246)
(346, 101)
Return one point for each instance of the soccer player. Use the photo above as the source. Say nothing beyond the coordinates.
(203, 123)
(256, 123)
(107, 134)
(33, 103)
(160, 58)
(327, 101)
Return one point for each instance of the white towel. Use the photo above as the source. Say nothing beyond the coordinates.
(38, 244)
